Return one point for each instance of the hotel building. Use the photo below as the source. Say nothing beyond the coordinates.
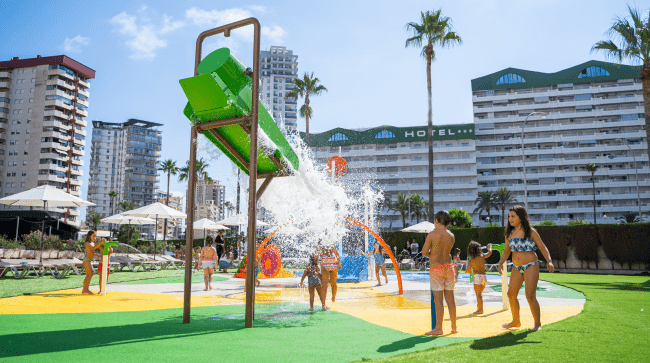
(279, 67)
(395, 159)
(43, 103)
(594, 114)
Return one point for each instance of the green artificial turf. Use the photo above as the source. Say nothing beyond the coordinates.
(547, 289)
(613, 327)
(283, 332)
(10, 286)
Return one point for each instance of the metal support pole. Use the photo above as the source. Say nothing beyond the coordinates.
(17, 224)
(252, 173)
(638, 194)
(189, 231)
(523, 161)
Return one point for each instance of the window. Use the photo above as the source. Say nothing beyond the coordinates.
(338, 137)
(511, 78)
(384, 134)
(593, 71)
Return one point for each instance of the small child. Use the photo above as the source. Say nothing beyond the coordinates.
(476, 266)
(313, 280)
(197, 256)
(456, 261)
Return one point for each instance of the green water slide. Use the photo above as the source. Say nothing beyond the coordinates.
(223, 91)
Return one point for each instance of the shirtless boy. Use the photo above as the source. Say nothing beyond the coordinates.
(476, 266)
(438, 247)
(208, 260)
(90, 245)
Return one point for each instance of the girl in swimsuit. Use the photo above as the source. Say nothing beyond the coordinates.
(90, 253)
(476, 266)
(330, 264)
(456, 261)
(380, 262)
(523, 241)
(313, 280)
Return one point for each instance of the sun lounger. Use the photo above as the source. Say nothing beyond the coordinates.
(132, 264)
(19, 268)
(171, 261)
(156, 264)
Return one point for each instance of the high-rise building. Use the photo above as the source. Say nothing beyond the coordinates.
(396, 160)
(43, 102)
(209, 200)
(124, 158)
(279, 67)
(594, 114)
(174, 226)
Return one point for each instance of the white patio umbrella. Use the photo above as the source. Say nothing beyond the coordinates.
(206, 224)
(44, 196)
(155, 210)
(121, 219)
(422, 227)
(239, 220)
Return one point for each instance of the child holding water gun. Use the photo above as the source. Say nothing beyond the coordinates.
(312, 272)
(476, 267)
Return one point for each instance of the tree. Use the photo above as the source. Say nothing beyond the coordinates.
(229, 207)
(502, 199)
(168, 166)
(435, 30)
(460, 218)
(125, 206)
(201, 171)
(484, 202)
(592, 167)
(401, 205)
(629, 217)
(418, 207)
(94, 219)
(633, 40)
(305, 87)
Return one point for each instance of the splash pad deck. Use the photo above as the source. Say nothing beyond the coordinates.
(379, 306)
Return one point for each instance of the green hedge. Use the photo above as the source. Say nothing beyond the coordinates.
(623, 243)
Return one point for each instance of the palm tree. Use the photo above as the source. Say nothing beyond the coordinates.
(592, 167)
(305, 87)
(503, 197)
(418, 207)
(633, 44)
(229, 207)
(112, 194)
(168, 166)
(484, 202)
(435, 30)
(401, 205)
(125, 205)
(201, 170)
(94, 219)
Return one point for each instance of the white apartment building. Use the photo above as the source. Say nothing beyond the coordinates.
(43, 103)
(124, 158)
(209, 199)
(590, 107)
(279, 67)
(395, 159)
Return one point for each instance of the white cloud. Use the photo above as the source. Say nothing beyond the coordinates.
(274, 35)
(258, 8)
(169, 25)
(214, 18)
(144, 39)
(74, 45)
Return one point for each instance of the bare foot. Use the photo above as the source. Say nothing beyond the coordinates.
(206, 289)
(387, 281)
(379, 284)
(536, 328)
(325, 308)
(312, 309)
(478, 312)
(454, 331)
(333, 298)
(511, 325)
(435, 332)
(87, 292)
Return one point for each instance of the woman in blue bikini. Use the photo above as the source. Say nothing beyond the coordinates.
(523, 241)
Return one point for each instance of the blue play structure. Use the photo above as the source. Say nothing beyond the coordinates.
(355, 268)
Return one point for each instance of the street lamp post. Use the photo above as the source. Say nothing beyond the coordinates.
(523, 158)
(409, 189)
(636, 173)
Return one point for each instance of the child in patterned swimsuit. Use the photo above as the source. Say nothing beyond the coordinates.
(313, 280)
(476, 266)
(456, 261)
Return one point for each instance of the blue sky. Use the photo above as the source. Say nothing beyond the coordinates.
(141, 49)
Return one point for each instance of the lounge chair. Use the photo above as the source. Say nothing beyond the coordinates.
(171, 261)
(132, 264)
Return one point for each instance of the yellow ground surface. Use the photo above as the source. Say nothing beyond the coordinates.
(358, 300)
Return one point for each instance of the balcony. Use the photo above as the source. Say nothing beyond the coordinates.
(61, 83)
